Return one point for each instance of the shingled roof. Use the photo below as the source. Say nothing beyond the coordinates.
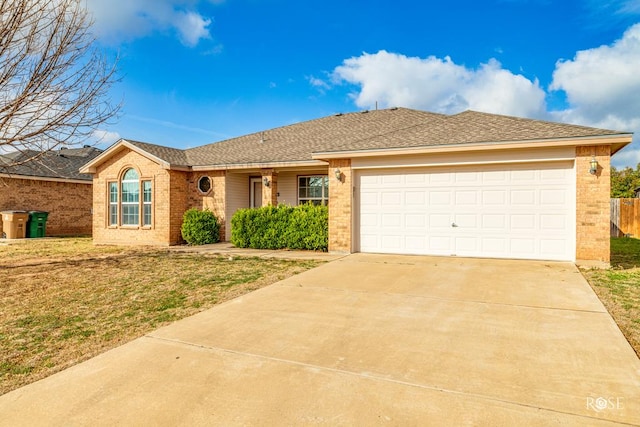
(394, 128)
(61, 164)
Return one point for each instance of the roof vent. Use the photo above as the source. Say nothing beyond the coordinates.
(86, 146)
(261, 137)
(393, 109)
(364, 111)
(338, 114)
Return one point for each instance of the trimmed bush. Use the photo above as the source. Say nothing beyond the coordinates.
(281, 227)
(200, 227)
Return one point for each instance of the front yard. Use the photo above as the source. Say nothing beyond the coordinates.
(619, 287)
(64, 301)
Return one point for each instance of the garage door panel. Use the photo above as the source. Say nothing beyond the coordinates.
(467, 245)
(415, 198)
(391, 179)
(467, 178)
(553, 246)
(393, 242)
(495, 177)
(440, 198)
(554, 176)
(440, 245)
(440, 221)
(549, 222)
(369, 220)
(369, 199)
(553, 197)
(523, 198)
(416, 243)
(522, 246)
(390, 199)
(494, 197)
(415, 220)
(391, 220)
(494, 246)
(413, 178)
(465, 221)
(494, 222)
(440, 178)
(523, 177)
(468, 198)
(512, 211)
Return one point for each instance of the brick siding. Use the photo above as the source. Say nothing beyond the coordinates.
(592, 204)
(69, 204)
(169, 201)
(214, 200)
(340, 206)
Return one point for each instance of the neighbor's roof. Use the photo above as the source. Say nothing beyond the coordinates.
(395, 128)
(61, 164)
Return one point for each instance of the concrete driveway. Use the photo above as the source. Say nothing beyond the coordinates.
(366, 340)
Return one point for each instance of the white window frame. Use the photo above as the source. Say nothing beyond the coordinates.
(324, 197)
(130, 209)
(141, 204)
(113, 204)
(147, 210)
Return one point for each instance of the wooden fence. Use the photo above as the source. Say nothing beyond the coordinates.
(625, 217)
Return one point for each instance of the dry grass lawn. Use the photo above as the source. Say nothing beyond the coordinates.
(619, 287)
(64, 301)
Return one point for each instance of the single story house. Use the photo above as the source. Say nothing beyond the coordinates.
(50, 181)
(395, 181)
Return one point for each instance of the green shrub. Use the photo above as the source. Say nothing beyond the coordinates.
(281, 227)
(200, 227)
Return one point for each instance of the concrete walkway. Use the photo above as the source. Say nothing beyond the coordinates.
(366, 340)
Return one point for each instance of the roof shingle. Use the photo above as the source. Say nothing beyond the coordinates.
(63, 163)
(393, 128)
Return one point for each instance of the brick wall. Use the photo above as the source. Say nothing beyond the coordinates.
(340, 206)
(592, 204)
(214, 200)
(68, 204)
(167, 218)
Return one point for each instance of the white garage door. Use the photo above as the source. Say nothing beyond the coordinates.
(516, 211)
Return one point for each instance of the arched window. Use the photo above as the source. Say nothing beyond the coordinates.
(130, 188)
(128, 198)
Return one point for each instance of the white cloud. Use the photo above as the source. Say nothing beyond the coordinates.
(602, 86)
(105, 137)
(439, 85)
(192, 27)
(117, 20)
(317, 83)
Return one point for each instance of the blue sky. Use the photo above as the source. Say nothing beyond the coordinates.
(195, 72)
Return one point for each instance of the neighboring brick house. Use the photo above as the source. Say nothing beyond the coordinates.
(50, 182)
(395, 180)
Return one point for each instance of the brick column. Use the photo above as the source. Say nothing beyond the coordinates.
(593, 204)
(340, 206)
(270, 193)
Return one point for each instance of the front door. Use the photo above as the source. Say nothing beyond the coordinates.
(256, 192)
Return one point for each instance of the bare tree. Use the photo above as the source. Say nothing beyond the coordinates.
(53, 80)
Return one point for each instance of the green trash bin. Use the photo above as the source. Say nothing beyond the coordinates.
(37, 225)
